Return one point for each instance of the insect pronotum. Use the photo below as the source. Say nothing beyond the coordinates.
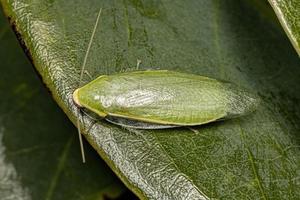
(156, 99)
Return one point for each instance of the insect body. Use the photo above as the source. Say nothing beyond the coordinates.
(163, 99)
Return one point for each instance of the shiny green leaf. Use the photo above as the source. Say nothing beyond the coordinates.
(254, 157)
(288, 13)
(39, 152)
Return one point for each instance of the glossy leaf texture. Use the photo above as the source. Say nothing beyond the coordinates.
(288, 13)
(39, 157)
(254, 157)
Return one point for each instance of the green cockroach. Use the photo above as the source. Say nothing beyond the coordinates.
(163, 99)
(158, 99)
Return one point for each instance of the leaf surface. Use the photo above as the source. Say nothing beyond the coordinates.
(288, 13)
(39, 157)
(254, 157)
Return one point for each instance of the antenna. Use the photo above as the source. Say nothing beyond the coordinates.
(80, 81)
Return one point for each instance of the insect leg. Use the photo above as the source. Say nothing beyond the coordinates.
(138, 62)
